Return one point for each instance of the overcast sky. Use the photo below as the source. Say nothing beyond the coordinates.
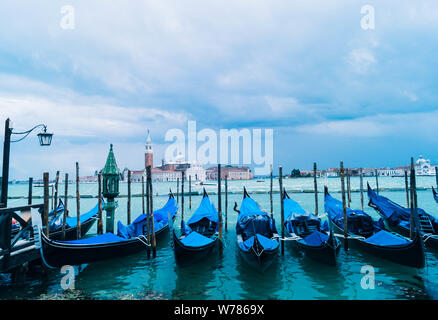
(330, 90)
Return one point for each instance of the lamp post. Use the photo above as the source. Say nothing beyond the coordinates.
(111, 178)
(44, 138)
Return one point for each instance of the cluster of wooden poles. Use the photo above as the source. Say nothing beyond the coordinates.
(411, 200)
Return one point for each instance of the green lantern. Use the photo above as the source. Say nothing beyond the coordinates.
(111, 178)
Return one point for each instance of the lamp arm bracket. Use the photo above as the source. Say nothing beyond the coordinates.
(26, 133)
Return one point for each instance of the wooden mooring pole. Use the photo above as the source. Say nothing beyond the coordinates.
(129, 198)
(219, 201)
(29, 195)
(377, 181)
(148, 215)
(348, 189)
(361, 189)
(414, 204)
(407, 189)
(65, 213)
(56, 191)
(436, 176)
(190, 191)
(177, 190)
(315, 188)
(46, 204)
(151, 210)
(182, 192)
(282, 208)
(78, 203)
(142, 195)
(344, 207)
(270, 194)
(99, 201)
(226, 203)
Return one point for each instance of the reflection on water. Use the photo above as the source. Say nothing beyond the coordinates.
(292, 276)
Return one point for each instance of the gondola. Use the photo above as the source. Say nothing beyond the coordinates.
(199, 237)
(129, 240)
(257, 236)
(397, 219)
(435, 195)
(57, 253)
(304, 230)
(369, 236)
(161, 221)
(71, 224)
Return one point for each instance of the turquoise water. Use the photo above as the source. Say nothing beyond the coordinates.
(228, 277)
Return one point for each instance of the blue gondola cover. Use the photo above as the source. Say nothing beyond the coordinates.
(267, 244)
(316, 238)
(195, 239)
(385, 238)
(71, 222)
(160, 221)
(394, 213)
(253, 222)
(104, 238)
(335, 211)
(205, 210)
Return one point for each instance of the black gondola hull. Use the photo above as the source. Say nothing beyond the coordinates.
(430, 241)
(411, 255)
(185, 255)
(58, 254)
(259, 262)
(325, 253)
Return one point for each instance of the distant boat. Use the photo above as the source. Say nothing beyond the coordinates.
(208, 183)
(260, 180)
(41, 185)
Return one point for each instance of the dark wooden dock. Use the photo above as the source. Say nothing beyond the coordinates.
(18, 246)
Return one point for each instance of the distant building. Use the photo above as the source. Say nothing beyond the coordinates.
(354, 172)
(369, 172)
(332, 172)
(233, 173)
(135, 175)
(423, 167)
(172, 171)
(390, 172)
(319, 173)
(149, 153)
(88, 179)
(167, 171)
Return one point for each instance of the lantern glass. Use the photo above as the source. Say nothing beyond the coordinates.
(45, 138)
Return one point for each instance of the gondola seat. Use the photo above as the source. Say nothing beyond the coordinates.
(250, 226)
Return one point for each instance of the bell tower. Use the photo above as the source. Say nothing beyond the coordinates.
(149, 153)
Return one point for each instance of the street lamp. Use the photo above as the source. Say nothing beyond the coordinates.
(44, 138)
